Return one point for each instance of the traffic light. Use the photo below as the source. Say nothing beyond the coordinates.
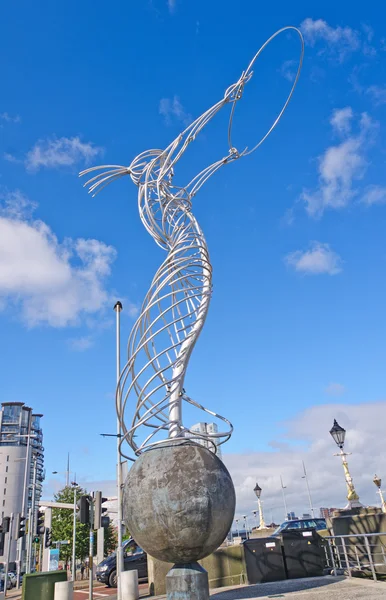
(99, 519)
(47, 538)
(83, 514)
(40, 523)
(5, 526)
(20, 526)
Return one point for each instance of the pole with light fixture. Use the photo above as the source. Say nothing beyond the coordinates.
(378, 482)
(338, 434)
(257, 489)
(119, 552)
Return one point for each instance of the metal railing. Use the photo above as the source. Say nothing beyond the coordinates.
(357, 553)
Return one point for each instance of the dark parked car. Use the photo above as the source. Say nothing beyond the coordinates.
(299, 525)
(134, 558)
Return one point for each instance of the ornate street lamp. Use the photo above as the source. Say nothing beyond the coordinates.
(338, 435)
(378, 482)
(257, 489)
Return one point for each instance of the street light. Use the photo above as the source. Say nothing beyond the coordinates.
(246, 526)
(257, 489)
(378, 482)
(338, 434)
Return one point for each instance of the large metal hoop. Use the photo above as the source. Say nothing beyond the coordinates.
(248, 74)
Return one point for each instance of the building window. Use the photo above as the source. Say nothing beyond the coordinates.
(8, 458)
(3, 502)
(5, 491)
(6, 469)
(5, 480)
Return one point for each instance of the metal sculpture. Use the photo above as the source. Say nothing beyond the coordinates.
(176, 305)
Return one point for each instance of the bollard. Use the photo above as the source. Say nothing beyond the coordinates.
(64, 590)
(129, 585)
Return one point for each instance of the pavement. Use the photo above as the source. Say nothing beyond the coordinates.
(311, 588)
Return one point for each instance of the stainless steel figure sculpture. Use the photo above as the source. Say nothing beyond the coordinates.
(176, 305)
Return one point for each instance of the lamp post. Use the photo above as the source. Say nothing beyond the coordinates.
(284, 487)
(237, 527)
(75, 487)
(338, 434)
(378, 482)
(246, 526)
(257, 489)
(119, 553)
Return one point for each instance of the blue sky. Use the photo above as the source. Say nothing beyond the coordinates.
(295, 232)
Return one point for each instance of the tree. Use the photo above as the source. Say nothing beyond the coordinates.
(111, 539)
(62, 526)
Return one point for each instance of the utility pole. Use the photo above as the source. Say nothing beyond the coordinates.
(119, 554)
(74, 536)
(308, 489)
(91, 552)
(31, 519)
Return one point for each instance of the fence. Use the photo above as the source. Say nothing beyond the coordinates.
(357, 553)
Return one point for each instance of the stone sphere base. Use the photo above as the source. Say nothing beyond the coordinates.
(179, 502)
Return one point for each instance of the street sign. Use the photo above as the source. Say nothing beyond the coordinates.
(54, 560)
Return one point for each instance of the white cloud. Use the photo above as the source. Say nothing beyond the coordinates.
(172, 110)
(51, 282)
(318, 260)
(60, 152)
(377, 93)
(9, 118)
(335, 389)
(81, 344)
(374, 194)
(172, 5)
(307, 438)
(341, 166)
(288, 69)
(341, 119)
(15, 205)
(340, 41)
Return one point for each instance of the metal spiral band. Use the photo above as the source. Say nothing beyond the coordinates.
(174, 310)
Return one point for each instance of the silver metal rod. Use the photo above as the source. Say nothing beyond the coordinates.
(119, 553)
(332, 557)
(346, 557)
(74, 540)
(368, 549)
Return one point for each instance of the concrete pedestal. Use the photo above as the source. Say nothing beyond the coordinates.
(187, 582)
(129, 585)
(64, 590)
